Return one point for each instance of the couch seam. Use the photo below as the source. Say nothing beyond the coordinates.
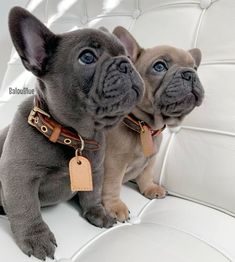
(169, 5)
(207, 130)
(163, 167)
(200, 202)
(134, 19)
(94, 239)
(196, 34)
(218, 62)
(223, 253)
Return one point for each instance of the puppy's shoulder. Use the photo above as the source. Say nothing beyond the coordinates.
(20, 120)
(26, 106)
(121, 138)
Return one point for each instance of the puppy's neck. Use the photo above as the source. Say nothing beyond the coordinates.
(78, 126)
(152, 119)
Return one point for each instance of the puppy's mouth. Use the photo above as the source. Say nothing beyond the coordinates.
(121, 88)
(179, 108)
(181, 95)
(117, 87)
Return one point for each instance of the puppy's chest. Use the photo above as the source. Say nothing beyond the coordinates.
(138, 161)
(135, 168)
(55, 186)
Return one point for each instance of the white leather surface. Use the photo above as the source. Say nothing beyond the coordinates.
(170, 229)
(196, 161)
(71, 230)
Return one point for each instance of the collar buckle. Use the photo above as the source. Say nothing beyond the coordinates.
(56, 133)
(138, 126)
(32, 115)
(141, 124)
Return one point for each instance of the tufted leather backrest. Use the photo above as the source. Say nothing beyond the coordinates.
(196, 160)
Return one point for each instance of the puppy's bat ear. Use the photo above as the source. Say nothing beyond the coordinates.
(197, 55)
(131, 45)
(104, 29)
(33, 41)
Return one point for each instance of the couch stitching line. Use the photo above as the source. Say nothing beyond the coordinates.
(137, 3)
(91, 241)
(206, 130)
(163, 168)
(198, 27)
(203, 203)
(168, 5)
(223, 253)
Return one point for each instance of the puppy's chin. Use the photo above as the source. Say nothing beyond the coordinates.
(108, 116)
(173, 121)
(108, 123)
(174, 114)
(179, 107)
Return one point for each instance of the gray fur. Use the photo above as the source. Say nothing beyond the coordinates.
(87, 98)
(3, 135)
(180, 92)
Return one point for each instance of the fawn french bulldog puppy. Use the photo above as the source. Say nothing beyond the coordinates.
(172, 90)
(85, 84)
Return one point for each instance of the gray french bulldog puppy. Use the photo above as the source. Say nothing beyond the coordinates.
(87, 84)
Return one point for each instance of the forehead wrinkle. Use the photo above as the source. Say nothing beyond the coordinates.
(94, 38)
(165, 57)
(175, 55)
(94, 44)
(181, 57)
(110, 44)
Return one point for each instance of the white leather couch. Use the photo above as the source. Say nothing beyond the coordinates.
(197, 160)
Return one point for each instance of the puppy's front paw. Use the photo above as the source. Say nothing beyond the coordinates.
(154, 191)
(38, 241)
(98, 217)
(118, 210)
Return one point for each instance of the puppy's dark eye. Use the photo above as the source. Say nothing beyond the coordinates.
(87, 57)
(160, 66)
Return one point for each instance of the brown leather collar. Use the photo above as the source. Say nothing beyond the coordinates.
(137, 125)
(56, 133)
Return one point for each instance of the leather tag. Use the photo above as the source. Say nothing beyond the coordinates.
(80, 174)
(147, 141)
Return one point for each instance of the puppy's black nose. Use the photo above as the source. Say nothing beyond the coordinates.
(187, 75)
(123, 67)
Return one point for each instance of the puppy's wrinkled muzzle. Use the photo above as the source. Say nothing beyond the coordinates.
(117, 75)
(121, 87)
(121, 82)
(182, 93)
